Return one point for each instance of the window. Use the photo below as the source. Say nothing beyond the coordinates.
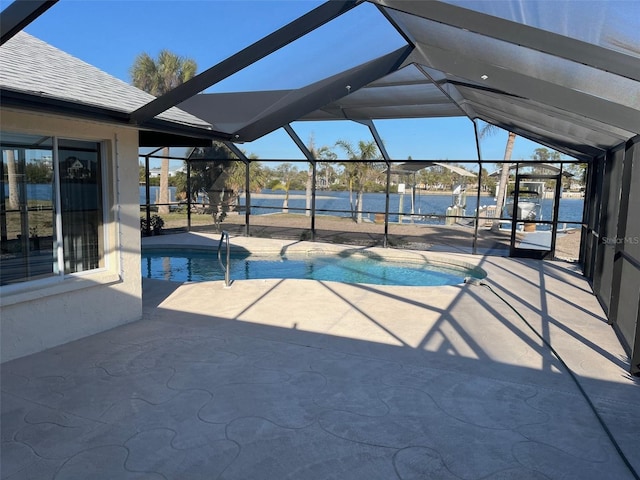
(51, 214)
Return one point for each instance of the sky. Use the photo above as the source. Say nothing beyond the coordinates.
(109, 34)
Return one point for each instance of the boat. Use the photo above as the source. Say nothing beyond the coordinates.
(530, 197)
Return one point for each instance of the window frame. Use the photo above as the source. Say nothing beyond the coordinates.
(22, 290)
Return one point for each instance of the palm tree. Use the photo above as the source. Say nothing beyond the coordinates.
(324, 153)
(210, 169)
(157, 77)
(285, 172)
(217, 172)
(236, 179)
(359, 172)
(486, 130)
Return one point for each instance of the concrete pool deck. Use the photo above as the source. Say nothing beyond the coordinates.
(302, 379)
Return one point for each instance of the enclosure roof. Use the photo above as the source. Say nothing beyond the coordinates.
(564, 74)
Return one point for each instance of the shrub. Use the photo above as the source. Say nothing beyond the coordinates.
(155, 225)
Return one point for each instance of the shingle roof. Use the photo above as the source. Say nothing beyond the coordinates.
(29, 65)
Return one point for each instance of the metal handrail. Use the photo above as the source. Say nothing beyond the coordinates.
(227, 280)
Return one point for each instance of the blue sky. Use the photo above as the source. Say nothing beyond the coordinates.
(111, 33)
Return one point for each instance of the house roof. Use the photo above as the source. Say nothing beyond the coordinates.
(31, 67)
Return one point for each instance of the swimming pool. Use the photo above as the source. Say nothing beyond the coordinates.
(189, 265)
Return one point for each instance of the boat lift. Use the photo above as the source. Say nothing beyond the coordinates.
(458, 197)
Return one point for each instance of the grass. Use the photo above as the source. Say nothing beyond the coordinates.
(40, 220)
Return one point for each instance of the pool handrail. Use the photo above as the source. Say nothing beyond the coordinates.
(226, 268)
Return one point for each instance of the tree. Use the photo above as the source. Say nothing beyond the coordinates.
(157, 77)
(488, 183)
(236, 178)
(38, 172)
(285, 173)
(579, 172)
(210, 168)
(545, 155)
(486, 130)
(142, 174)
(14, 195)
(179, 180)
(322, 153)
(216, 172)
(359, 172)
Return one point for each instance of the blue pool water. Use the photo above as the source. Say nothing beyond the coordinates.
(198, 266)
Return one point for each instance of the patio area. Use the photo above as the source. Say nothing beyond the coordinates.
(302, 379)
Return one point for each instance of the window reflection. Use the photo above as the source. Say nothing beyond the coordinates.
(28, 211)
(27, 216)
(81, 205)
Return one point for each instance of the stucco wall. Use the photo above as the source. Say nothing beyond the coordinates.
(36, 317)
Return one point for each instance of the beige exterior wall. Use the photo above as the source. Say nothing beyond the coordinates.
(35, 316)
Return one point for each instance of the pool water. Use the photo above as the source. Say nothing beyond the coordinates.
(198, 266)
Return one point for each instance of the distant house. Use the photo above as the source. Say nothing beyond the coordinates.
(70, 119)
(76, 169)
(576, 187)
(155, 172)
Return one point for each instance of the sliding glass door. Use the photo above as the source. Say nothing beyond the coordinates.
(51, 209)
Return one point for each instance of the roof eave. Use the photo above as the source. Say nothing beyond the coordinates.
(38, 103)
